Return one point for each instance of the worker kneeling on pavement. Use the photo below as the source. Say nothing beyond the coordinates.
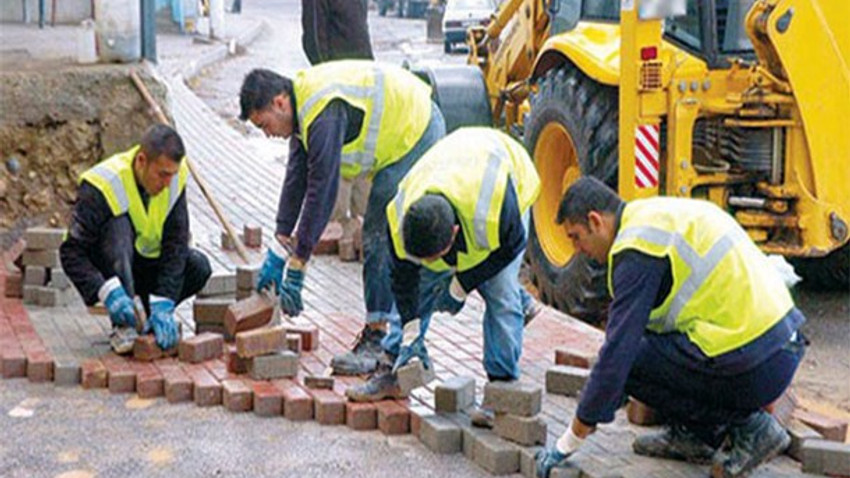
(701, 328)
(129, 236)
(459, 223)
(346, 118)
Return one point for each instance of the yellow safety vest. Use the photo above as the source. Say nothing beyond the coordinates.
(470, 168)
(114, 179)
(725, 293)
(396, 109)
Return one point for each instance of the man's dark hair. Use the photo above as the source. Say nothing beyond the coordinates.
(427, 228)
(163, 140)
(259, 89)
(585, 195)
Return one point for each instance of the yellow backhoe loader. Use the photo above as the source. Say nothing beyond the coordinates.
(739, 102)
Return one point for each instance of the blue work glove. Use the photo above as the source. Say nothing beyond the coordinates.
(118, 303)
(162, 322)
(556, 457)
(413, 345)
(290, 292)
(271, 271)
(452, 299)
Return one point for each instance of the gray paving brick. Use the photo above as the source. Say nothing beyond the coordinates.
(246, 276)
(494, 454)
(800, 433)
(526, 431)
(567, 471)
(66, 371)
(513, 397)
(413, 376)
(35, 275)
(566, 380)
(220, 283)
(31, 294)
(45, 258)
(826, 457)
(39, 238)
(528, 462)
(441, 435)
(277, 365)
(470, 437)
(58, 279)
(454, 395)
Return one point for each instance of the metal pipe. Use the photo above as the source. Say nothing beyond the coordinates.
(148, 30)
(776, 163)
(748, 202)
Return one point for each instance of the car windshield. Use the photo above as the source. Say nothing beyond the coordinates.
(473, 5)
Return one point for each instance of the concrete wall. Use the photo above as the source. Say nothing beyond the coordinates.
(67, 11)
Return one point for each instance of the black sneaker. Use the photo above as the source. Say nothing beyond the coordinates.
(758, 440)
(364, 357)
(382, 385)
(674, 443)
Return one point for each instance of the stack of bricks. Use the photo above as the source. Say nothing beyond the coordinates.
(263, 353)
(571, 371)
(44, 281)
(210, 306)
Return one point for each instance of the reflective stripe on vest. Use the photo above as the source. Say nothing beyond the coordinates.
(701, 266)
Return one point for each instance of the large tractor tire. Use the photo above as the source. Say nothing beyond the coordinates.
(571, 132)
(826, 273)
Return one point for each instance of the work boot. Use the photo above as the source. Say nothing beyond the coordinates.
(364, 357)
(674, 443)
(758, 440)
(482, 417)
(383, 384)
(531, 311)
(121, 339)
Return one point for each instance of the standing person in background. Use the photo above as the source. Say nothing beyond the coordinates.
(335, 30)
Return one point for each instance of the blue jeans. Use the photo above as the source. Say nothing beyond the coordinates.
(505, 303)
(377, 288)
(707, 403)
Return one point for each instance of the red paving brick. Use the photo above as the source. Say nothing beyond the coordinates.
(297, 403)
(206, 389)
(122, 377)
(149, 380)
(236, 395)
(361, 416)
(328, 407)
(178, 384)
(393, 418)
(268, 399)
(94, 374)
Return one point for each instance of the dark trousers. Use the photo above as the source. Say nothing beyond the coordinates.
(707, 401)
(140, 275)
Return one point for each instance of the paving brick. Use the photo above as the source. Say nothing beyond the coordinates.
(66, 372)
(276, 365)
(570, 470)
(31, 295)
(14, 285)
(235, 363)
(122, 378)
(293, 343)
(393, 419)
(309, 335)
(39, 367)
(94, 374)
(59, 280)
(470, 436)
(14, 360)
(211, 310)
(242, 294)
(528, 461)
(35, 275)
(826, 457)
(48, 297)
(575, 357)
(361, 416)
(40, 238)
(526, 431)
(178, 385)
(220, 283)
(783, 408)
(639, 413)
(566, 380)
(414, 375)
(253, 343)
(328, 407)
(206, 389)
(418, 412)
(440, 434)
(454, 395)
(206, 346)
(247, 314)
(268, 399)
(227, 243)
(800, 433)
(831, 428)
(253, 235)
(297, 403)
(316, 382)
(44, 258)
(246, 276)
(492, 453)
(513, 397)
(149, 380)
(329, 241)
(237, 396)
(218, 369)
(145, 349)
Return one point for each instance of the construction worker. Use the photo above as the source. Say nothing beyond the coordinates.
(129, 235)
(459, 223)
(345, 118)
(701, 328)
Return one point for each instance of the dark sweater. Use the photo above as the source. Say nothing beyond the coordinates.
(512, 242)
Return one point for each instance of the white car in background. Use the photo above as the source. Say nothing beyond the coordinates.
(462, 14)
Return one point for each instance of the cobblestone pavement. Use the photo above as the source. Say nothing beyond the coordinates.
(69, 429)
